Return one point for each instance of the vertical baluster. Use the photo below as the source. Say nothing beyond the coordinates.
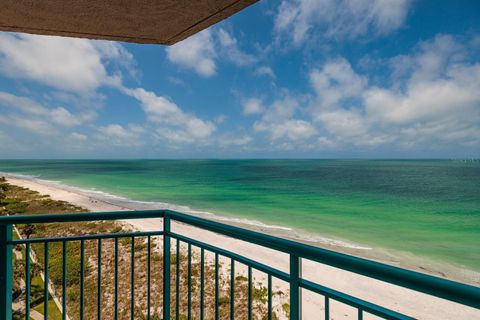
(116, 281)
(216, 287)
(148, 277)
(99, 280)
(249, 293)
(6, 273)
(82, 279)
(295, 290)
(132, 280)
(177, 282)
(269, 297)
(189, 294)
(202, 285)
(166, 267)
(45, 282)
(327, 308)
(27, 281)
(232, 289)
(360, 314)
(64, 281)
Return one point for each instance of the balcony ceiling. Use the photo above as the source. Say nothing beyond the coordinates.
(143, 21)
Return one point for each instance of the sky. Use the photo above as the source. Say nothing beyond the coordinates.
(281, 79)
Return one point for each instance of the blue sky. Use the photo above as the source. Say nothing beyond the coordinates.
(282, 79)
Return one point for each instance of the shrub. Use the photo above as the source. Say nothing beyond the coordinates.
(15, 206)
(73, 263)
(286, 309)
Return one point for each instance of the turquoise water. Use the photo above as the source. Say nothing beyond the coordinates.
(429, 208)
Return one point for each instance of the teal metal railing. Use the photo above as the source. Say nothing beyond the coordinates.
(446, 289)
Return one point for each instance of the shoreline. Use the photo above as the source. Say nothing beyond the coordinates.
(130, 204)
(390, 296)
(104, 201)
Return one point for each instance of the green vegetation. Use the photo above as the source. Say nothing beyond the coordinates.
(17, 200)
(53, 312)
(286, 309)
(36, 289)
(241, 279)
(260, 293)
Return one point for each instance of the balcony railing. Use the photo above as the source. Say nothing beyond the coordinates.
(449, 290)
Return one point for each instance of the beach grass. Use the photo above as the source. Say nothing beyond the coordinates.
(17, 200)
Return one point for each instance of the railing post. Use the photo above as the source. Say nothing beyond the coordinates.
(166, 268)
(295, 290)
(6, 273)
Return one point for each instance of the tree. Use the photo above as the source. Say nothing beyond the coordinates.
(18, 274)
(35, 270)
(2, 194)
(29, 229)
(19, 271)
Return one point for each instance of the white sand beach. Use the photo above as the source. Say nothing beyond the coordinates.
(406, 301)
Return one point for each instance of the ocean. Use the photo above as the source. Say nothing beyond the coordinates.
(425, 209)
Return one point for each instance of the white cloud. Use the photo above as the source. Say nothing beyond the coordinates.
(252, 106)
(118, 135)
(336, 82)
(22, 103)
(23, 107)
(36, 126)
(5, 143)
(202, 51)
(114, 53)
(230, 49)
(196, 52)
(441, 84)
(265, 71)
(63, 117)
(279, 121)
(93, 101)
(324, 142)
(231, 140)
(425, 101)
(177, 81)
(297, 19)
(290, 129)
(75, 65)
(433, 100)
(220, 119)
(173, 123)
(78, 136)
(115, 130)
(344, 123)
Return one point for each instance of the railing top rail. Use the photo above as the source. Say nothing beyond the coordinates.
(447, 289)
(78, 217)
(442, 288)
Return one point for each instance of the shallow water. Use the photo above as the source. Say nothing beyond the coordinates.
(428, 208)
